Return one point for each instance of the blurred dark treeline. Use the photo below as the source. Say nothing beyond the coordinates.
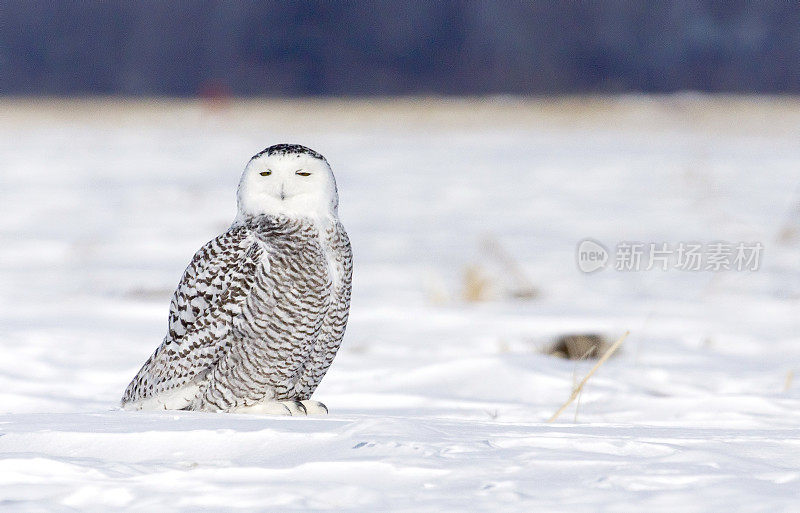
(392, 47)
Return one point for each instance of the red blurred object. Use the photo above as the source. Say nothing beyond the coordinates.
(215, 94)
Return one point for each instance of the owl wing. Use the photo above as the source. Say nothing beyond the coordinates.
(211, 292)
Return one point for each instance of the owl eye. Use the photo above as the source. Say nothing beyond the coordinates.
(265, 173)
(302, 173)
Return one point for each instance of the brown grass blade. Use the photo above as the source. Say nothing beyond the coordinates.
(577, 390)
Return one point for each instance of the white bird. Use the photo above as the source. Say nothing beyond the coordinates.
(260, 311)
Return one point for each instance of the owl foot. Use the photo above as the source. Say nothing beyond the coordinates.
(265, 408)
(295, 407)
(314, 407)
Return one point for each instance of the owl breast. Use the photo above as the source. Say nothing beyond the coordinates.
(284, 312)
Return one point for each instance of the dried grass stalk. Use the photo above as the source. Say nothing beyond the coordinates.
(477, 286)
(577, 390)
(523, 287)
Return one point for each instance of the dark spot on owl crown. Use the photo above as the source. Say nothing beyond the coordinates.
(289, 149)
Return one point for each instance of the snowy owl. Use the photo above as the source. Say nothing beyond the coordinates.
(261, 310)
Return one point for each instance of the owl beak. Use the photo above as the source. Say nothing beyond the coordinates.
(283, 193)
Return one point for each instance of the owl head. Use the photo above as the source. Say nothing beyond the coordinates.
(289, 180)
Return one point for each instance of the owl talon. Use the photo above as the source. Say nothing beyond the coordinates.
(295, 407)
(314, 407)
(265, 408)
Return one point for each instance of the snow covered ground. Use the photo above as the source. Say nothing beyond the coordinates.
(437, 403)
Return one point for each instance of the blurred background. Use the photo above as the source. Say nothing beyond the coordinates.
(321, 48)
(475, 144)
